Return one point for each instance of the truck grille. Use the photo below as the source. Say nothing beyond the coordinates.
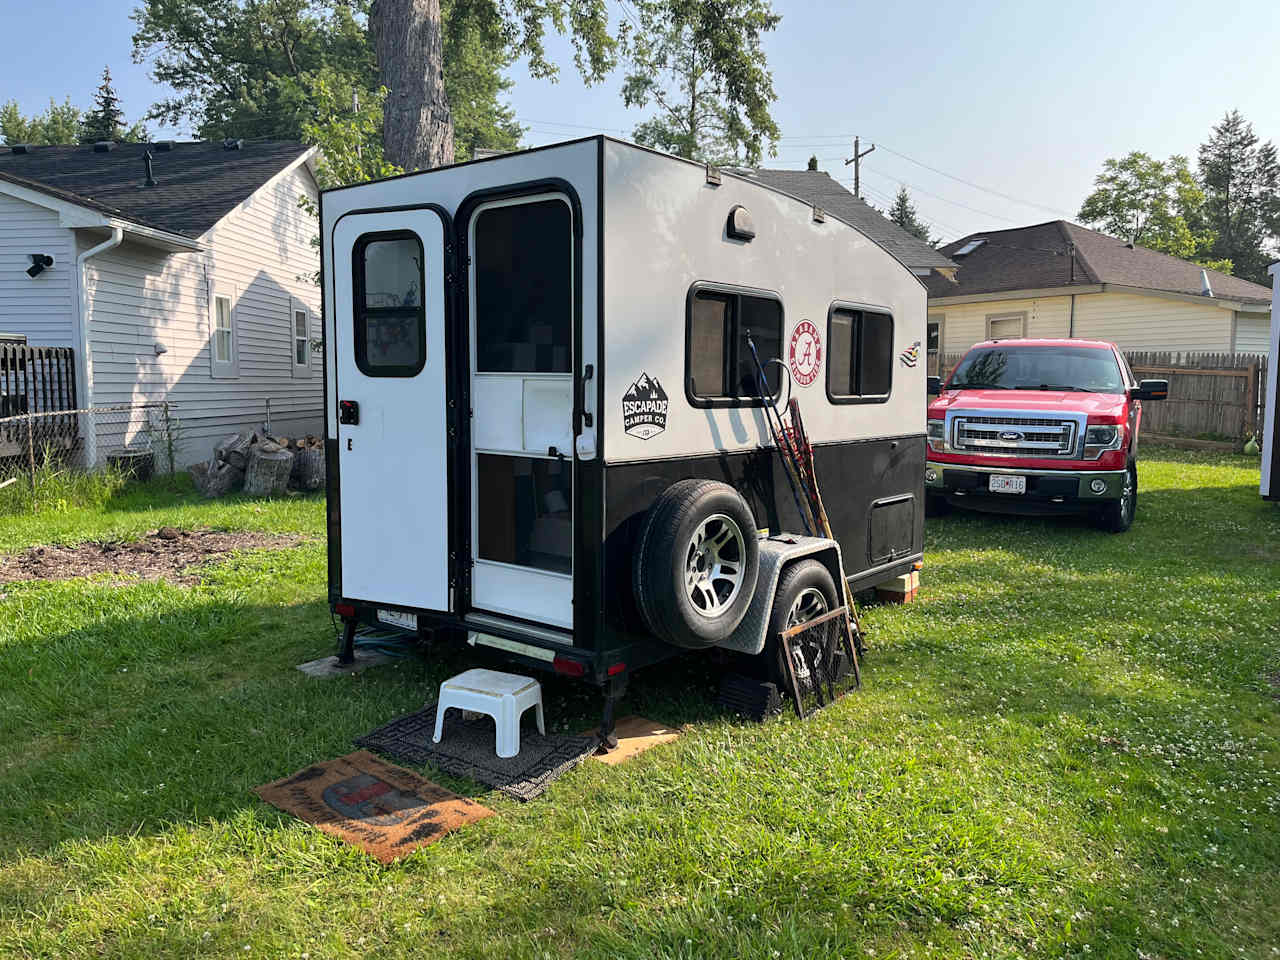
(1011, 436)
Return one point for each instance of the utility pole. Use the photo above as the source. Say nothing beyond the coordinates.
(856, 160)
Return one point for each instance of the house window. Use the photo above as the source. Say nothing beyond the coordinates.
(859, 355)
(390, 317)
(222, 340)
(720, 370)
(933, 345)
(1002, 327)
(300, 338)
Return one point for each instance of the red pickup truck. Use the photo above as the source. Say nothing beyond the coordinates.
(1038, 427)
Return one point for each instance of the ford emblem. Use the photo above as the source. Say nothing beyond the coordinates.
(1011, 435)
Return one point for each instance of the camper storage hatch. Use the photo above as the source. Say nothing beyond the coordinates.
(543, 428)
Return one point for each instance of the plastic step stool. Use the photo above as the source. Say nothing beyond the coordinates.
(503, 696)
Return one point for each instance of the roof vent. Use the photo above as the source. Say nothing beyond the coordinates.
(21, 148)
(104, 146)
(1205, 289)
(163, 146)
(146, 165)
(232, 143)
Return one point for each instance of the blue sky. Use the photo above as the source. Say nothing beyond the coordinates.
(1023, 99)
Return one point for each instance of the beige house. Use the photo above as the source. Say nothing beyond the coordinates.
(1058, 279)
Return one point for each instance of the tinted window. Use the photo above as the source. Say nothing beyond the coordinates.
(860, 354)
(524, 288)
(721, 368)
(1087, 369)
(390, 319)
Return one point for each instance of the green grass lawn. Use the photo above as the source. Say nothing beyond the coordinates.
(1068, 747)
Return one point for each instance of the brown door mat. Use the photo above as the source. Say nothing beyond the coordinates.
(386, 811)
(636, 735)
(466, 749)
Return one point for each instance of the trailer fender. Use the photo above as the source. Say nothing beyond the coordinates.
(776, 553)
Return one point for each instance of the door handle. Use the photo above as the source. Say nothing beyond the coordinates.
(581, 417)
(554, 452)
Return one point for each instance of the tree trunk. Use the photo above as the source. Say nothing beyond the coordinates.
(417, 128)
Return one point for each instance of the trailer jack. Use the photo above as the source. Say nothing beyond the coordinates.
(347, 650)
(614, 690)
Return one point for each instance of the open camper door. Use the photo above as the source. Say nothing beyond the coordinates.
(389, 336)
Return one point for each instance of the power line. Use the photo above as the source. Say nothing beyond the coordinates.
(956, 203)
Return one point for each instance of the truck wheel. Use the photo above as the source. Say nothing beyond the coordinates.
(696, 563)
(805, 592)
(1117, 516)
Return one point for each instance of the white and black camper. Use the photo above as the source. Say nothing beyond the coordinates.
(544, 428)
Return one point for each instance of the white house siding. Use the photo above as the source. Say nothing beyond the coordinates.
(140, 296)
(42, 307)
(1132, 321)
(965, 324)
(1253, 332)
(1135, 322)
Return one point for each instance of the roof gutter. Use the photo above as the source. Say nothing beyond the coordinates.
(85, 366)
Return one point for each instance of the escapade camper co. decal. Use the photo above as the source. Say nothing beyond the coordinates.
(644, 408)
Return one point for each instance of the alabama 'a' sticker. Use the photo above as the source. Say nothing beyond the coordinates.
(805, 355)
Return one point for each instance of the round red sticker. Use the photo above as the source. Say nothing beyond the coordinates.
(806, 353)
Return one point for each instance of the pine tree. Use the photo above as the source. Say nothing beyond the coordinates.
(903, 213)
(1241, 182)
(106, 120)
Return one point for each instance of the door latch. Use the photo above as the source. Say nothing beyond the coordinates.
(348, 412)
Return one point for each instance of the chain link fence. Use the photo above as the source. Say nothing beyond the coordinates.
(137, 440)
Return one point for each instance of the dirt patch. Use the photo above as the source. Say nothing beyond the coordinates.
(168, 552)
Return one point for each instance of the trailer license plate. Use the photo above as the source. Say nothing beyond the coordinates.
(408, 621)
(999, 483)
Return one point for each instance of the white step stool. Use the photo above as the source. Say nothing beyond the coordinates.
(503, 696)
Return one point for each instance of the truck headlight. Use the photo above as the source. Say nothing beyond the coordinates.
(936, 432)
(1101, 437)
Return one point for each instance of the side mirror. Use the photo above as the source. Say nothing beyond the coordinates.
(1151, 390)
(933, 386)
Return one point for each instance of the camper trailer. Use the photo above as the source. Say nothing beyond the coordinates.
(545, 428)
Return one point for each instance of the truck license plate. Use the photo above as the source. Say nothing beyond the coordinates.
(406, 621)
(999, 483)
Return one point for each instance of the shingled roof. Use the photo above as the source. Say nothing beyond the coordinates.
(197, 184)
(821, 189)
(1040, 257)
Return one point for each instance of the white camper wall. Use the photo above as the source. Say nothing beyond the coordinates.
(665, 230)
(575, 163)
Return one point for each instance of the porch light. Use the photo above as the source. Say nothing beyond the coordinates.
(39, 263)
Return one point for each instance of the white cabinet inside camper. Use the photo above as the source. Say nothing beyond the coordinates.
(389, 342)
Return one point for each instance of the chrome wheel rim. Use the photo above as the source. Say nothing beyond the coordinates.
(714, 566)
(808, 605)
(1126, 497)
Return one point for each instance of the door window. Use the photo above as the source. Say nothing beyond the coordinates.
(524, 288)
(525, 516)
(390, 317)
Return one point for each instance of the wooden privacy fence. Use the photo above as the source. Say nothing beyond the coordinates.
(1212, 396)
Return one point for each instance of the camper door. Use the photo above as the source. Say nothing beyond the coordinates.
(389, 326)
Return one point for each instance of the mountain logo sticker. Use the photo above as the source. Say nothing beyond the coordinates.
(644, 408)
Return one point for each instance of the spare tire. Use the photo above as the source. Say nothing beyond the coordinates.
(695, 566)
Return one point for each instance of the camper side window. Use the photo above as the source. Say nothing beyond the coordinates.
(719, 368)
(859, 355)
(389, 314)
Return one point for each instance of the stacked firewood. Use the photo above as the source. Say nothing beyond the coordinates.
(261, 464)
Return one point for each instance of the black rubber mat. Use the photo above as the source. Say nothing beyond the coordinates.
(466, 749)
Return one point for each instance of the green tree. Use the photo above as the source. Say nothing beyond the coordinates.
(105, 121)
(59, 124)
(903, 213)
(701, 64)
(1150, 202)
(1241, 181)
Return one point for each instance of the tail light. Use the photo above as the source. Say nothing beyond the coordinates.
(569, 668)
(346, 610)
(616, 669)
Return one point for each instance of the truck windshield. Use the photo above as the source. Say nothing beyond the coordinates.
(1012, 367)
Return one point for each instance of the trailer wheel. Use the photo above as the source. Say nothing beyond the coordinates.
(695, 566)
(805, 592)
